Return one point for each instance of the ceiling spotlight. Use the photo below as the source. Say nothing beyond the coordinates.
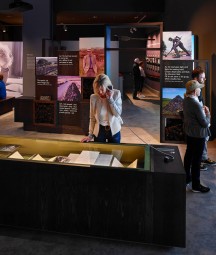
(4, 30)
(65, 28)
(133, 29)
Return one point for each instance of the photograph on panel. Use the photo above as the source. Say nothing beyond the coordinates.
(177, 45)
(91, 56)
(69, 88)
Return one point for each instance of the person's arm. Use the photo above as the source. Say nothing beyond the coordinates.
(84, 64)
(115, 103)
(203, 115)
(92, 121)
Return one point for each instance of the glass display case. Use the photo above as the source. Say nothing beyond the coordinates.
(118, 191)
(75, 153)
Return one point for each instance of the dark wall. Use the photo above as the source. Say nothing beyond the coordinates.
(111, 5)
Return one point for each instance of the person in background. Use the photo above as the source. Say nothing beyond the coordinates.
(142, 80)
(6, 60)
(198, 74)
(137, 78)
(90, 64)
(3, 93)
(105, 112)
(196, 128)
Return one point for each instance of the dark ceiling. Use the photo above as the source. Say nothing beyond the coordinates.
(12, 18)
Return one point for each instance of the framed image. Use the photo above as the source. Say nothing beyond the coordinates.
(91, 56)
(11, 59)
(172, 101)
(69, 88)
(177, 45)
(46, 66)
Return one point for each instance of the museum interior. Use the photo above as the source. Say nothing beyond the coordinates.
(61, 196)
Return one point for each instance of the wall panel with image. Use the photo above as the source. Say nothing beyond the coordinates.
(177, 67)
(11, 66)
(62, 82)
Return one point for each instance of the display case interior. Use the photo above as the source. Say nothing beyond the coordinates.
(76, 153)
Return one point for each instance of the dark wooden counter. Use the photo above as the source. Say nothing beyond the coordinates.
(117, 203)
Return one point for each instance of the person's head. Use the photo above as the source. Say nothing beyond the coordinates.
(101, 84)
(199, 75)
(170, 39)
(193, 87)
(1, 77)
(137, 61)
(89, 51)
(6, 57)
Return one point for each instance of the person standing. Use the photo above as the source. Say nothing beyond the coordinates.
(105, 112)
(3, 93)
(142, 80)
(196, 128)
(90, 64)
(137, 78)
(198, 74)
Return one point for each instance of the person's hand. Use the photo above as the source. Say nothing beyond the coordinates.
(206, 109)
(86, 139)
(109, 93)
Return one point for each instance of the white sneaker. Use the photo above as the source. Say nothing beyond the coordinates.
(141, 96)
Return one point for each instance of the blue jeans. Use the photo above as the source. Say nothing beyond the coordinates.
(105, 136)
(205, 151)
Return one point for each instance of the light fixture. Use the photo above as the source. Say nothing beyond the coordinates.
(133, 29)
(4, 29)
(65, 28)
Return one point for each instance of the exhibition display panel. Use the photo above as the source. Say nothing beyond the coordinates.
(118, 191)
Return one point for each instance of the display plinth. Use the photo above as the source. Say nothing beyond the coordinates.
(143, 204)
(48, 116)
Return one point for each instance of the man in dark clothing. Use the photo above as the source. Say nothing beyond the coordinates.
(177, 43)
(198, 74)
(137, 78)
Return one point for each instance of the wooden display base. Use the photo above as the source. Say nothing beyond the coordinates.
(6, 105)
(43, 116)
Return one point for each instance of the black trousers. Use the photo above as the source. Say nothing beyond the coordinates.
(137, 83)
(192, 159)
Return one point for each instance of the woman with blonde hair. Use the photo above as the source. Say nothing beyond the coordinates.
(105, 112)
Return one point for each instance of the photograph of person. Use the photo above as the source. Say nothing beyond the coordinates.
(91, 56)
(177, 45)
(11, 67)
